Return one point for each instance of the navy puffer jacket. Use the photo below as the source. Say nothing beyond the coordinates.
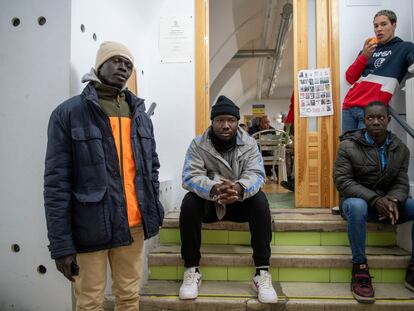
(84, 197)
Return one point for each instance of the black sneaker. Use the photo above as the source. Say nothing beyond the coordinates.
(409, 277)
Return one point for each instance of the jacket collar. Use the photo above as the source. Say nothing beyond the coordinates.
(370, 141)
(205, 141)
(359, 137)
(92, 76)
(392, 41)
(89, 93)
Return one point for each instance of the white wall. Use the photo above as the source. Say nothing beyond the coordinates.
(172, 86)
(34, 62)
(131, 23)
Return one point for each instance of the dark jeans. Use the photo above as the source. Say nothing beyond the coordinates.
(195, 211)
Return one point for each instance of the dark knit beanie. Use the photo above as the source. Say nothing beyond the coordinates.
(224, 106)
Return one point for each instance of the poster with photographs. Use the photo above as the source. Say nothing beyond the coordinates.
(315, 93)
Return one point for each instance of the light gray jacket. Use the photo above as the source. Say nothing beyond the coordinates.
(204, 166)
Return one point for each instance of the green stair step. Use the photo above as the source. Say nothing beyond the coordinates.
(374, 238)
(298, 219)
(282, 250)
(322, 275)
(288, 263)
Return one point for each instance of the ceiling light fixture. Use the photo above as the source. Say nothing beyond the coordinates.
(285, 24)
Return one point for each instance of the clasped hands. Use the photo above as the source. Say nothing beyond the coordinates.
(226, 192)
(387, 208)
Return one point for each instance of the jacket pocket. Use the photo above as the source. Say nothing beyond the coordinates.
(91, 223)
(145, 137)
(87, 146)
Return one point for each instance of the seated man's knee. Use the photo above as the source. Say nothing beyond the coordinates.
(191, 204)
(259, 202)
(409, 208)
(355, 207)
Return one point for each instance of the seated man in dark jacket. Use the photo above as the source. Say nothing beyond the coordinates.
(223, 172)
(370, 173)
(100, 203)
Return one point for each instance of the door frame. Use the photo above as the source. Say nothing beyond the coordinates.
(314, 151)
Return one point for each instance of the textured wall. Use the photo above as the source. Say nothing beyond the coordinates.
(34, 66)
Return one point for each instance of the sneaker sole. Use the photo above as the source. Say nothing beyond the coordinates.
(269, 301)
(263, 301)
(410, 287)
(365, 300)
(190, 298)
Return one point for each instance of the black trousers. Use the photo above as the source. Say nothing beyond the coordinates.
(195, 211)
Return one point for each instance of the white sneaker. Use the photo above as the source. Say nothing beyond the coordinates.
(263, 285)
(191, 284)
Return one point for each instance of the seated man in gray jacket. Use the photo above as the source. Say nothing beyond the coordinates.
(223, 172)
(370, 173)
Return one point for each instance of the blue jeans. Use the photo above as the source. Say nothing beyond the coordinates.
(356, 212)
(352, 118)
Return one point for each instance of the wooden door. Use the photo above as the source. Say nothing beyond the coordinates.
(314, 150)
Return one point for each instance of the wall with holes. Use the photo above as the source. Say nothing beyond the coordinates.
(47, 45)
(35, 63)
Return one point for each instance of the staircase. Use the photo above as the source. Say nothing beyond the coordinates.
(310, 266)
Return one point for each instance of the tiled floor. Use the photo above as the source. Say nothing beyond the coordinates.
(281, 200)
(278, 196)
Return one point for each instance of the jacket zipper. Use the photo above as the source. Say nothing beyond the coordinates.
(121, 153)
(134, 144)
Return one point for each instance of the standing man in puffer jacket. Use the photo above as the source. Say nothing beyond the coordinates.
(377, 71)
(101, 187)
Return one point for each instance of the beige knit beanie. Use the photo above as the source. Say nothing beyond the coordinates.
(109, 49)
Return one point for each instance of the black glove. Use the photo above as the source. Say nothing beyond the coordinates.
(68, 266)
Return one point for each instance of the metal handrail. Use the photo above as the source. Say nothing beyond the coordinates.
(151, 109)
(401, 122)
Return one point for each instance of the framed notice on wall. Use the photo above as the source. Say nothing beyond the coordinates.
(176, 39)
(315, 93)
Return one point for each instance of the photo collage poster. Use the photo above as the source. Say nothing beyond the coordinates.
(315, 93)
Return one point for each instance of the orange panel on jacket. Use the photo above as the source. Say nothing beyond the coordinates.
(122, 126)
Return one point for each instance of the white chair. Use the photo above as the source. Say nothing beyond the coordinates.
(272, 145)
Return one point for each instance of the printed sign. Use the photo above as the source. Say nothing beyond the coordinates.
(176, 39)
(315, 93)
(258, 110)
